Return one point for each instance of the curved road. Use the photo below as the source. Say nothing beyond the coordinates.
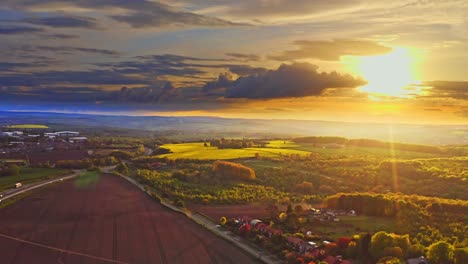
(28, 187)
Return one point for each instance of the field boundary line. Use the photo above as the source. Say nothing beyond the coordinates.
(61, 250)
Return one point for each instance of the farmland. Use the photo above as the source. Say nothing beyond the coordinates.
(199, 151)
(28, 126)
(29, 175)
(105, 220)
(350, 150)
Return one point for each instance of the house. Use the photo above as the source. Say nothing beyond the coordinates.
(67, 134)
(420, 260)
(78, 140)
(336, 260)
(298, 244)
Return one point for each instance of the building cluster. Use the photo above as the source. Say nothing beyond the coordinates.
(23, 142)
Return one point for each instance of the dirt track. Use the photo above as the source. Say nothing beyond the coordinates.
(111, 220)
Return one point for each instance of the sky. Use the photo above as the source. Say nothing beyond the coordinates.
(401, 61)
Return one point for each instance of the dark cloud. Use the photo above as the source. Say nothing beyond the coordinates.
(64, 22)
(60, 36)
(295, 80)
(224, 80)
(137, 13)
(451, 89)
(151, 94)
(57, 78)
(246, 70)
(244, 57)
(15, 30)
(70, 50)
(331, 50)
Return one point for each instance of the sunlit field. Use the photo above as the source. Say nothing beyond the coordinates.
(199, 151)
(28, 126)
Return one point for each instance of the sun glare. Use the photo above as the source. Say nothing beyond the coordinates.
(389, 74)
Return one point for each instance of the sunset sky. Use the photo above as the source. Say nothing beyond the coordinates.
(400, 61)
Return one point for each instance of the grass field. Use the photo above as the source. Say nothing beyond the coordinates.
(198, 151)
(28, 126)
(29, 175)
(349, 225)
(276, 148)
(351, 150)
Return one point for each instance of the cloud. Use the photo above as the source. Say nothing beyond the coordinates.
(151, 94)
(331, 50)
(448, 89)
(224, 80)
(244, 57)
(60, 36)
(17, 30)
(137, 13)
(69, 50)
(63, 22)
(57, 78)
(243, 70)
(294, 80)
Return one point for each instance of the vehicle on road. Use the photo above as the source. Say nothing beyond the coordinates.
(18, 185)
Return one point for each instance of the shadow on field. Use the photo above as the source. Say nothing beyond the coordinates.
(88, 179)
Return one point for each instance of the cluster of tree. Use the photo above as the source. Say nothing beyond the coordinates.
(446, 178)
(235, 143)
(9, 170)
(233, 171)
(196, 183)
(369, 143)
(386, 245)
(86, 163)
(427, 219)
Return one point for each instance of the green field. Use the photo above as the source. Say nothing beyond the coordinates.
(349, 225)
(198, 151)
(29, 175)
(351, 150)
(28, 126)
(276, 148)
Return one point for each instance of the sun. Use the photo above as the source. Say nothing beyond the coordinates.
(390, 74)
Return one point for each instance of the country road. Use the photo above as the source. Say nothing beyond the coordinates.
(28, 187)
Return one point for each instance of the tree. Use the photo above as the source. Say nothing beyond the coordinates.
(222, 220)
(122, 168)
(13, 170)
(440, 253)
(460, 255)
(298, 209)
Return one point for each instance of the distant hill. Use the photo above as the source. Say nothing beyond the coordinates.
(189, 128)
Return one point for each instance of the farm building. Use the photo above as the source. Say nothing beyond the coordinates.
(67, 133)
(78, 140)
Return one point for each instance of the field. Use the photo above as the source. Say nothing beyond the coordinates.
(28, 126)
(217, 211)
(277, 148)
(54, 156)
(198, 151)
(349, 225)
(351, 150)
(105, 220)
(29, 175)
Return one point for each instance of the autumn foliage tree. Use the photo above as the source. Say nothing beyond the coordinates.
(233, 171)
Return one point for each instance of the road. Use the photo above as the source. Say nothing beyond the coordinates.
(28, 187)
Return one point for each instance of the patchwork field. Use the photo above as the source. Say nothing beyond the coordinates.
(105, 220)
